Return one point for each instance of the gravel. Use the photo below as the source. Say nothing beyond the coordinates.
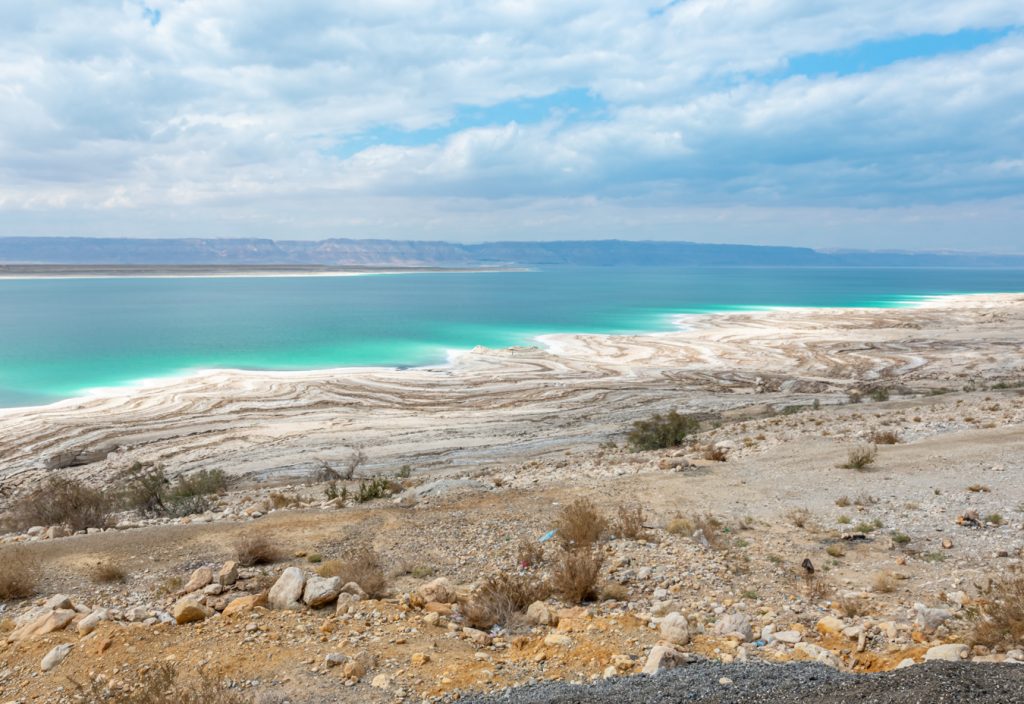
(807, 683)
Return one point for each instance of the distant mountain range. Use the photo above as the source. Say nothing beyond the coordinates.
(391, 253)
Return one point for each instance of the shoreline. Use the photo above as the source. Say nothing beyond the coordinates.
(554, 343)
(19, 272)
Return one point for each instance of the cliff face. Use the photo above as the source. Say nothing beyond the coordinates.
(338, 252)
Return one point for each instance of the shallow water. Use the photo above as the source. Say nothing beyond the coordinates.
(62, 337)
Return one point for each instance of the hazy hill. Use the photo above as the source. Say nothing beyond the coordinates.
(83, 250)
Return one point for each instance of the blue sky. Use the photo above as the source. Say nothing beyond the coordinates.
(870, 124)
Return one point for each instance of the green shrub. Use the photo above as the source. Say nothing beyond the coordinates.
(62, 501)
(659, 432)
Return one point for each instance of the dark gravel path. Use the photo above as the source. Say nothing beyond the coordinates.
(807, 683)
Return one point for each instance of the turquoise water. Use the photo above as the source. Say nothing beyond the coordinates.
(61, 337)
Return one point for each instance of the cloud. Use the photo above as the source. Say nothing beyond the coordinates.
(253, 113)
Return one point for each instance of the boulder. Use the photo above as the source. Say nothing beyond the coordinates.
(189, 610)
(353, 589)
(664, 657)
(829, 625)
(287, 590)
(557, 640)
(675, 629)
(199, 579)
(735, 624)
(243, 603)
(476, 636)
(46, 622)
(321, 591)
(950, 652)
(790, 637)
(88, 624)
(816, 652)
(930, 619)
(58, 601)
(55, 656)
(439, 590)
(540, 614)
(228, 574)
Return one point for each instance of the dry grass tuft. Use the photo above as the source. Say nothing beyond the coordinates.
(502, 598)
(363, 566)
(884, 437)
(580, 524)
(630, 523)
(850, 608)
(575, 574)
(999, 618)
(714, 453)
(19, 575)
(861, 457)
(799, 517)
(884, 583)
(253, 550)
(530, 553)
(108, 573)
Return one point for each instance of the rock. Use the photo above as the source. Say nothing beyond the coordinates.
(930, 619)
(439, 590)
(829, 625)
(724, 681)
(906, 662)
(822, 655)
(199, 579)
(58, 601)
(355, 590)
(88, 624)
(353, 669)
(664, 657)
(321, 591)
(558, 640)
(609, 672)
(54, 532)
(228, 574)
(950, 652)
(242, 603)
(287, 590)
(1016, 655)
(540, 614)
(788, 636)
(137, 614)
(675, 629)
(335, 659)
(419, 659)
(477, 636)
(381, 681)
(432, 619)
(735, 624)
(45, 622)
(55, 657)
(188, 610)
(213, 589)
(436, 607)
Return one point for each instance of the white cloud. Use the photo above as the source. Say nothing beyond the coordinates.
(235, 110)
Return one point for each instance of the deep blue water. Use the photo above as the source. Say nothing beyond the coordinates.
(61, 337)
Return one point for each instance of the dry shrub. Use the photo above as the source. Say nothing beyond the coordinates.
(884, 583)
(575, 574)
(161, 684)
(502, 597)
(835, 550)
(19, 575)
(680, 526)
(714, 453)
(799, 517)
(709, 526)
(580, 524)
(363, 566)
(860, 457)
(62, 501)
(256, 550)
(279, 500)
(530, 553)
(850, 608)
(884, 437)
(630, 523)
(999, 618)
(107, 573)
(818, 588)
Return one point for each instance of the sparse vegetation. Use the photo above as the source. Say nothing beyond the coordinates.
(995, 519)
(62, 502)
(356, 460)
(575, 574)
(160, 684)
(107, 572)
(630, 523)
(979, 488)
(376, 488)
(860, 457)
(580, 524)
(843, 501)
(529, 554)
(883, 583)
(146, 490)
(835, 550)
(253, 550)
(880, 394)
(884, 437)
(900, 539)
(999, 617)
(799, 517)
(850, 608)
(715, 453)
(19, 575)
(660, 432)
(613, 591)
(844, 520)
(363, 566)
(502, 597)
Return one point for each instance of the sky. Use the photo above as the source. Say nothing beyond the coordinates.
(871, 124)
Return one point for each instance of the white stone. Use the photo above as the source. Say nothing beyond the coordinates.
(675, 629)
(950, 652)
(55, 656)
(287, 590)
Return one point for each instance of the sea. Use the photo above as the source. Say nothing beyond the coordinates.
(68, 337)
